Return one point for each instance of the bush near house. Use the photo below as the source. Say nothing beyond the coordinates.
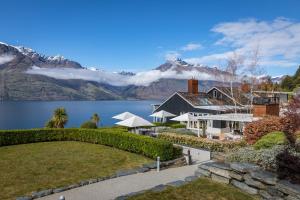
(266, 158)
(170, 124)
(203, 143)
(257, 129)
(288, 166)
(117, 138)
(270, 140)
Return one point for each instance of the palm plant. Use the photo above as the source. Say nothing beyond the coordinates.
(95, 118)
(60, 118)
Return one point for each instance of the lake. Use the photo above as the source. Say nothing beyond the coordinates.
(34, 114)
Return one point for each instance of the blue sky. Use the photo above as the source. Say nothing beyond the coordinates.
(138, 35)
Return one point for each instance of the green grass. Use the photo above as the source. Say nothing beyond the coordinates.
(270, 140)
(31, 167)
(201, 189)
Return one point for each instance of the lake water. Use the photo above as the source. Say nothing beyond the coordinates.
(34, 114)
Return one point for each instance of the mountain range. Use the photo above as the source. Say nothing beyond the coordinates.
(28, 75)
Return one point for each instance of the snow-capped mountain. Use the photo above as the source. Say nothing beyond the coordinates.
(20, 58)
(181, 66)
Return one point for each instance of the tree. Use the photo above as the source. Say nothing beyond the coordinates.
(253, 71)
(291, 120)
(95, 118)
(89, 124)
(59, 119)
(234, 63)
(288, 83)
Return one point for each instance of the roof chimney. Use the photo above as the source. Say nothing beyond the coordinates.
(193, 86)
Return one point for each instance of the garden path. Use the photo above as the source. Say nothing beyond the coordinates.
(112, 188)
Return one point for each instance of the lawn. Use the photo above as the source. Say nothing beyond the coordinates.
(31, 167)
(201, 189)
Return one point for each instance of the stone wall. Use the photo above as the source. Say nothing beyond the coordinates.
(250, 179)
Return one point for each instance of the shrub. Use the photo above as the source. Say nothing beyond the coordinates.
(178, 125)
(288, 166)
(270, 140)
(257, 129)
(170, 124)
(199, 142)
(266, 158)
(89, 124)
(116, 137)
(181, 131)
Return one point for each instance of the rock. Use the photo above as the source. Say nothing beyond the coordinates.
(236, 175)
(93, 181)
(124, 197)
(203, 172)
(219, 171)
(57, 190)
(110, 177)
(221, 165)
(135, 193)
(274, 192)
(85, 182)
(143, 170)
(220, 179)
(288, 188)
(23, 198)
(41, 193)
(190, 178)
(257, 184)
(176, 183)
(73, 186)
(243, 167)
(290, 197)
(158, 188)
(100, 179)
(265, 194)
(244, 187)
(150, 165)
(264, 176)
(205, 166)
(125, 172)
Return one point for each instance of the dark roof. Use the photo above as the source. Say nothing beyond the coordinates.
(200, 99)
(239, 96)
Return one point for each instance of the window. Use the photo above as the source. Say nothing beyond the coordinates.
(215, 94)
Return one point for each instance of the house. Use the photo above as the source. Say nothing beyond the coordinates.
(283, 96)
(217, 113)
(217, 100)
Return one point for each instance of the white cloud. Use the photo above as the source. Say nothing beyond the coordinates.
(140, 79)
(172, 55)
(191, 47)
(278, 41)
(5, 58)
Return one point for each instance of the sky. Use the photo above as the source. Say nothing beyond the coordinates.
(139, 35)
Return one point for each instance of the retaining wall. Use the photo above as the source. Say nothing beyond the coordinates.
(251, 179)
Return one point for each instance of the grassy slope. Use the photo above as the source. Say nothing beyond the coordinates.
(30, 167)
(201, 189)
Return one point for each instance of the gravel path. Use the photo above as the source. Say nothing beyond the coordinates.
(112, 188)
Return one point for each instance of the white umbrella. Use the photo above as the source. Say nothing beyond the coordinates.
(162, 114)
(134, 122)
(185, 118)
(123, 116)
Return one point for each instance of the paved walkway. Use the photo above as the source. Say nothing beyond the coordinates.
(112, 188)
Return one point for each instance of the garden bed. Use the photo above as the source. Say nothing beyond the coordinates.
(202, 143)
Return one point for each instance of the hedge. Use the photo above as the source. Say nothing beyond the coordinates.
(118, 138)
(203, 143)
